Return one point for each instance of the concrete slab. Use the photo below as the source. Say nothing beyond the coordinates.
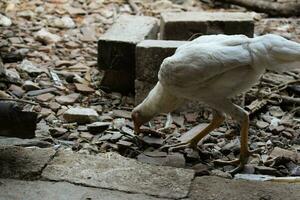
(35, 190)
(116, 50)
(215, 188)
(183, 25)
(23, 163)
(113, 171)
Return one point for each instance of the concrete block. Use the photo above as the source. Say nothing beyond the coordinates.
(116, 50)
(184, 25)
(149, 56)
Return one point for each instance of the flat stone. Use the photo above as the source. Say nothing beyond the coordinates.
(45, 36)
(19, 162)
(184, 25)
(116, 52)
(29, 86)
(98, 127)
(30, 68)
(149, 56)
(80, 115)
(83, 88)
(68, 99)
(122, 114)
(16, 90)
(45, 97)
(11, 141)
(210, 187)
(267, 170)
(279, 152)
(35, 190)
(115, 172)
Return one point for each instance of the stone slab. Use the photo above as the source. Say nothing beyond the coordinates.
(35, 190)
(210, 187)
(184, 25)
(149, 56)
(23, 163)
(112, 171)
(116, 50)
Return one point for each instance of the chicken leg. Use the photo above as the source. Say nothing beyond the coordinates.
(192, 137)
(242, 116)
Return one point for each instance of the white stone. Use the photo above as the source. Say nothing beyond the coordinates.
(81, 115)
(5, 21)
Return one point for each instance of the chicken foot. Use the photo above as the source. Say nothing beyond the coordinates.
(193, 136)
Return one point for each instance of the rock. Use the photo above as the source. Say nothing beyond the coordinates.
(276, 111)
(64, 22)
(29, 86)
(88, 34)
(200, 169)
(86, 135)
(54, 106)
(46, 37)
(162, 159)
(220, 173)
(249, 169)
(17, 189)
(153, 141)
(122, 114)
(80, 115)
(68, 99)
(39, 92)
(83, 88)
(74, 11)
(16, 90)
(98, 127)
(262, 124)
(5, 21)
(57, 131)
(19, 162)
(267, 171)
(279, 152)
(28, 67)
(45, 97)
(232, 146)
(124, 143)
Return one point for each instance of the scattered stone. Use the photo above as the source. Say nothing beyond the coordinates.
(220, 173)
(262, 124)
(276, 111)
(267, 171)
(11, 141)
(80, 115)
(86, 135)
(122, 114)
(54, 106)
(68, 99)
(279, 152)
(64, 22)
(84, 88)
(19, 162)
(5, 21)
(39, 92)
(45, 97)
(46, 37)
(29, 86)
(200, 169)
(98, 127)
(232, 146)
(153, 141)
(57, 132)
(124, 143)
(28, 67)
(16, 90)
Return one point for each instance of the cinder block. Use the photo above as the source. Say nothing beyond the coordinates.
(149, 56)
(116, 50)
(184, 25)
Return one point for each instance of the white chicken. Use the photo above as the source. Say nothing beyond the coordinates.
(212, 69)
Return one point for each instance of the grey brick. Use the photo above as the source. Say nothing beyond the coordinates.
(149, 56)
(183, 25)
(116, 50)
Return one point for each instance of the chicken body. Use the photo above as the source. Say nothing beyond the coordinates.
(212, 69)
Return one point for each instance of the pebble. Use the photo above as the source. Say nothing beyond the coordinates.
(68, 99)
(98, 127)
(45, 97)
(83, 88)
(5, 21)
(262, 124)
(80, 115)
(45, 36)
(28, 67)
(29, 86)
